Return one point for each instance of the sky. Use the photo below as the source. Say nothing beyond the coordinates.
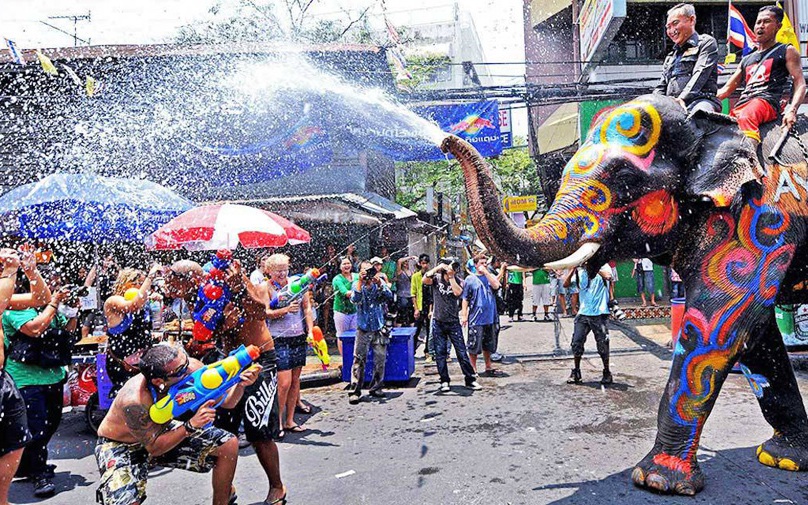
(498, 23)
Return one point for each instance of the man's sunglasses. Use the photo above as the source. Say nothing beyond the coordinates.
(181, 371)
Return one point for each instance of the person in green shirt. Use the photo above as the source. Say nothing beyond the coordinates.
(344, 309)
(515, 295)
(40, 383)
(14, 433)
(541, 293)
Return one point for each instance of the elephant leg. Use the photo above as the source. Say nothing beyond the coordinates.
(768, 369)
(700, 366)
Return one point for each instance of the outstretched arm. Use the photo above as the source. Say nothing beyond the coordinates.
(798, 95)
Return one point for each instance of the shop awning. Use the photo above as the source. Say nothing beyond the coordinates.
(560, 130)
(366, 208)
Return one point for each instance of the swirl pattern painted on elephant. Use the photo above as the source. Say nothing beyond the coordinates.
(582, 207)
(741, 275)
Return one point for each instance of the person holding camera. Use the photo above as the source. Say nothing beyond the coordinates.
(14, 434)
(370, 296)
(40, 348)
(446, 291)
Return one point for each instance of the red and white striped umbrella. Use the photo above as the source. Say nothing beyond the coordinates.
(225, 226)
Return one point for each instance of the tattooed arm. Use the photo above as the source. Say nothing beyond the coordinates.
(159, 439)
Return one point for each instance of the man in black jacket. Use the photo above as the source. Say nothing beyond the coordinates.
(690, 71)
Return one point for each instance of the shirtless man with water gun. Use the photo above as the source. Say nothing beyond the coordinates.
(129, 439)
(244, 323)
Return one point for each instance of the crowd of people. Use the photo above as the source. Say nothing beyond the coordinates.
(449, 305)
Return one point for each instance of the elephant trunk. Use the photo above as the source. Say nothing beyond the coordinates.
(534, 247)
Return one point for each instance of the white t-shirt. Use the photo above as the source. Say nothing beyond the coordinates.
(646, 264)
(257, 277)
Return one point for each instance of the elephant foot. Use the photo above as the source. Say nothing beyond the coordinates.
(667, 474)
(786, 453)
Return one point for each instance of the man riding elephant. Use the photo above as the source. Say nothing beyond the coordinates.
(766, 72)
(690, 71)
(652, 181)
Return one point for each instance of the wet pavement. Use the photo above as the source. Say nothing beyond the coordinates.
(526, 438)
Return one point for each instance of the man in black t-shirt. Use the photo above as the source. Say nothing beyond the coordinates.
(768, 73)
(446, 291)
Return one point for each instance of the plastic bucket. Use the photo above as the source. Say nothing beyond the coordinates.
(677, 316)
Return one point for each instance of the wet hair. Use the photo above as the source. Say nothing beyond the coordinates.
(423, 257)
(480, 256)
(277, 260)
(686, 9)
(126, 278)
(154, 362)
(775, 11)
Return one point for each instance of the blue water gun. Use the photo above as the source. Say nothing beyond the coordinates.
(210, 382)
(296, 288)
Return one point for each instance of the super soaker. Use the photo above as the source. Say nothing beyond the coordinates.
(296, 288)
(210, 382)
(317, 343)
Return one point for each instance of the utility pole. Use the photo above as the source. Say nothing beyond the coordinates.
(75, 18)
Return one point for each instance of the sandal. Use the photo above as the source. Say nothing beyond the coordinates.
(233, 496)
(492, 373)
(280, 436)
(303, 409)
(279, 501)
(296, 428)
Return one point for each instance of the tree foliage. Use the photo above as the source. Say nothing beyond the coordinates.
(514, 173)
(275, 20)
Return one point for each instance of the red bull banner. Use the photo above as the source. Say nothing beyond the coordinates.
(477, 123)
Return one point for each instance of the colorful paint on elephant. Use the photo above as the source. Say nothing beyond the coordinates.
(756, 381)
(743, 272)
(631, 132)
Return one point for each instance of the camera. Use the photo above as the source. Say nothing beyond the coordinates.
(453, 262)
(76, 292)
(370, 273)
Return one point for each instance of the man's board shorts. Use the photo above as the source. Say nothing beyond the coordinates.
(14, 432)
(482, 338)
(124, 467)
(751, 115)
(258, 406)
(598, 326)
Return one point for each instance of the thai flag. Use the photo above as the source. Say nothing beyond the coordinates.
(739, 34)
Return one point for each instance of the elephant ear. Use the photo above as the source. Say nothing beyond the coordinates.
(725, 160)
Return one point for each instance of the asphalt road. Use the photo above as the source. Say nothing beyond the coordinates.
(527, 438)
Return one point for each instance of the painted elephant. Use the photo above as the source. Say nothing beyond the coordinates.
(652, 182)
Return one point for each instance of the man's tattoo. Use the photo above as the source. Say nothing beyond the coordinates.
(140, 424)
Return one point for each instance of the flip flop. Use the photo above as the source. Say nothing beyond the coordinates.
(303, 409)
(233, 496)
(295, 429)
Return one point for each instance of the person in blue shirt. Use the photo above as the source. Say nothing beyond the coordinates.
(479, 311)
(371, 295)
(593, 314)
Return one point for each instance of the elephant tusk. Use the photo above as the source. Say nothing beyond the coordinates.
(583, 253)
